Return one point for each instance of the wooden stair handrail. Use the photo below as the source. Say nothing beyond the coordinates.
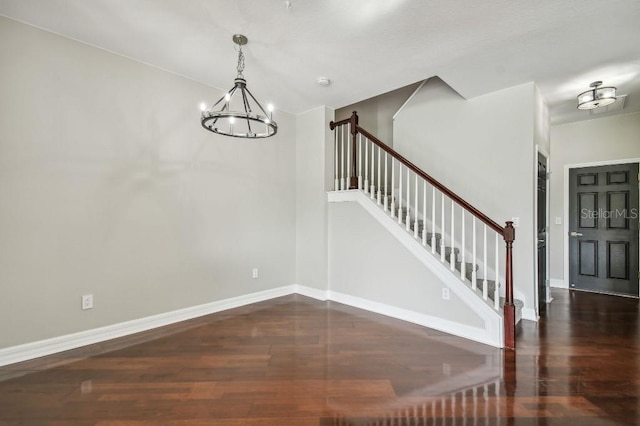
(455, 197)
(507, 232)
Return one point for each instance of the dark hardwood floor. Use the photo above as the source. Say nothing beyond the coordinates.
(297, 361)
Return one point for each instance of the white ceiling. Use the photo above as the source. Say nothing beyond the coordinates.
(367, 47)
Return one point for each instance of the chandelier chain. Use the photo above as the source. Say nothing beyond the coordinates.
(240, 67)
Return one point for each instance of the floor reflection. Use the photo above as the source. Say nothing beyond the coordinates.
(297, 361)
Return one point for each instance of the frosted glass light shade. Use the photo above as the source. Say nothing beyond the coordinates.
(596, 97)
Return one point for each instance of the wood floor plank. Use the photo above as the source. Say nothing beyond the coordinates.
(298, 361)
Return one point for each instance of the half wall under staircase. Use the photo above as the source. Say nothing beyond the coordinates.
(469, 252)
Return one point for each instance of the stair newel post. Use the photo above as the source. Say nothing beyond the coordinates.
(509, 307)
(353, 181)
(332, 126)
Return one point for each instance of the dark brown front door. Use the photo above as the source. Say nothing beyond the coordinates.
(603, 229)
(542, 234)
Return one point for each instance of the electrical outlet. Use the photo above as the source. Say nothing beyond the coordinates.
(446, 369)
(254, 273)
(445, 294)
(87, 301)
(86, 387)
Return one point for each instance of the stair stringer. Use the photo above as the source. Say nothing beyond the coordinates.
(435, 227)
(492, 333)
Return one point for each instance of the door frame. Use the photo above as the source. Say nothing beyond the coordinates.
(565, 227)
(540, 150)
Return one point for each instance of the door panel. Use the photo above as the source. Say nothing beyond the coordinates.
(588, 201)
(618, 259)
(588, 265)
(603, 225)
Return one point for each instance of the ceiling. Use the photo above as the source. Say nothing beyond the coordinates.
(367, 47)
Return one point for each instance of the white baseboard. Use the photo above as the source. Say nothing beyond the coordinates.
(529, 314)
(67, 342)
(311, 292)
(41, 348)
(556, 283)
(476, 334)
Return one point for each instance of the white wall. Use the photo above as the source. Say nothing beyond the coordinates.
(314, 177)
(542, 123)
(599, 140)
(110, 187)
(483, 149)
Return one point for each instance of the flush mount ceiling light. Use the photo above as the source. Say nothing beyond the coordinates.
(239, 114)
(597, 96)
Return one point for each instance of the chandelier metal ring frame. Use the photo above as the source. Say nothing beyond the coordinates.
(240, 115)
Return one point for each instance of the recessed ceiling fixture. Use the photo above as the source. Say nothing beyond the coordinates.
(323, 81)
(597, 96)
(239, 113)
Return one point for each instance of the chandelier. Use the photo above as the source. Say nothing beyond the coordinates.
(597, 96)
(239, 114)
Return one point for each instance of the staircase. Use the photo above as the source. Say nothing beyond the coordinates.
(471, 245)
(471, 269)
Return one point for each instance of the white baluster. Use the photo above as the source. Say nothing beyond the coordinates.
(433, 219)
(366, 165)
(415, 221)
(475, 404)
(497, 398)
(486, 401)
(463, 256)
(342, 158)
(424, 213)
(486, 265)
(379, 186)
(348, 159)
(453, 406)
(359, 161)
(373, 178)
(386, 180)
(474, 274)
(452, 255)
(465, 415)
(408, 218)
(496, 293)
(393, 190)
(336, 185)
(442, 230)
(400, 194)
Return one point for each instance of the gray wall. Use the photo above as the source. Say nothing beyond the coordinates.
(367, 261)
(598, 140)
(376, 114)
(110, 187)
(314, 177)
(484, 150)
